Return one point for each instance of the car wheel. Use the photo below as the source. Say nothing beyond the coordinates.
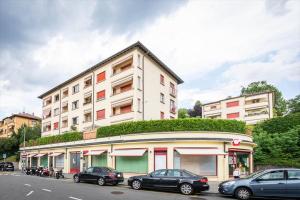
(136, 184)
(186, 189)
(101, 181)
(76, 179)
(243, 193)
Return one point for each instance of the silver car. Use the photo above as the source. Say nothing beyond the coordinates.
(283, 182)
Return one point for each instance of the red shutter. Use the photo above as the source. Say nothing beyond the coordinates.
(101, 94)
(126, 88)
(101, 77)
(101, 114)
(233, 115)
(55, 125)
(162, 115)
(232, 104)
(126, 109)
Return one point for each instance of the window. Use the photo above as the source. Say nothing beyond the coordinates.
(101, 95)
(162, 98)
(233, 115)
(87, 98)
(139, 83)
(65, 93)
(87, 116)
(56, 111)
(213, 107)
(64, 106)
(162, 79)
(174, 173)
(126, 87)
(274, 175)
(232, 104)
(55, 126)
(172, 89)
(87, 82)
(159, 172)
(64, 123)
(46, 113)
(89, 170)
(47, 127)
(172, 106)
(125, 109)
(139, 105)
(75, 89)
(47, 101)
(255, 101)
(100, 114)
(294, 174)
(75, 120)
(162, 115)
(56, 98)
(100, 77)
(75, 105)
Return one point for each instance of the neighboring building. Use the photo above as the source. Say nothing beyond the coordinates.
(249, 108)
(11, 124)
(133, 84)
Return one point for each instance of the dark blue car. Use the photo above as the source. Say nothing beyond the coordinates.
(266, 183)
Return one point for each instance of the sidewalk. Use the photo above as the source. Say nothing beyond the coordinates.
(213, 185)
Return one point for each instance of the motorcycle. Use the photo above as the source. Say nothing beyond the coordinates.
(45, 172)
(31, 171)
(39, 171)
(58, 174)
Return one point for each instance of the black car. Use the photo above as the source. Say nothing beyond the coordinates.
(170, 179)
(7, 166)
(100, 175)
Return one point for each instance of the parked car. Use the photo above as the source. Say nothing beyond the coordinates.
(7, 166)
(266, 183)
(100, 175)
(170, 179)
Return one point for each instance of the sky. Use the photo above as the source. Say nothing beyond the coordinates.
(216, 47)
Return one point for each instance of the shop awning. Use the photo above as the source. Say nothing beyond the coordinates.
(55, 154)
(94, 152)
(128, 152)
(199, 151)
(40, 155)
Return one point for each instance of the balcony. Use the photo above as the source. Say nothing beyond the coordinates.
(122, 117)
(257, 115)
(173, 110)
(122, 75)
(249, 105)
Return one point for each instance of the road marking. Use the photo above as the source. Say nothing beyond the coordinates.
(47, 190)
(74, 198)
(29, 193)
(27, 185)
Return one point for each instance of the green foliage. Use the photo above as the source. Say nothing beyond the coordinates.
(8, 146)
(196, 111)
(263, 86)
(279, 149)
(183, 113)
(294, 104)
(279, 124)
(66, 137)
(31, 133)
(189, 124)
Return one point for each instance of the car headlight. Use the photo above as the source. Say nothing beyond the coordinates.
(229, 183)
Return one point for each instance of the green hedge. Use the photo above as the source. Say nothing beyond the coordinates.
(280, 124)
(65, 137)
(189, 124)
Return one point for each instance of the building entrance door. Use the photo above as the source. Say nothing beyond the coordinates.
(74, 162)
(160, 160)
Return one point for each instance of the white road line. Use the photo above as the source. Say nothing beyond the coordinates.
(29, 193)
(74, 198)
(27, 185)
(47, 190)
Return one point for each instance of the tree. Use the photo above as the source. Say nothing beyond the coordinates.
(196, 111)
(294, 104)
(263, 86)
(183, 113)
(31, 133)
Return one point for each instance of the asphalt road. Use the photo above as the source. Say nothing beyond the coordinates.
(15, 186)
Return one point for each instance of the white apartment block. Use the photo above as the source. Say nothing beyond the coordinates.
(248, 108)
(131, 85)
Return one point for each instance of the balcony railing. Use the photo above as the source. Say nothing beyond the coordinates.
(173, 110)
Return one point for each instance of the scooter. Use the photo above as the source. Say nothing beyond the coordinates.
(45, 172)
(59, 174)
(39, 171)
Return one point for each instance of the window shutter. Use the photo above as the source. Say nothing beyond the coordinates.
(101, 77)
(101, 94)
(101, 114)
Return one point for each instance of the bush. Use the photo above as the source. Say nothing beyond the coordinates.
(280, 124)
(66, 137)
(190, 124)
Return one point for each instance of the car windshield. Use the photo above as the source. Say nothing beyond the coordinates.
(254, 174)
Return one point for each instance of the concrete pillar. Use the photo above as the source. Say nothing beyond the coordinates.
(110, 160)
(251, 163)
(170, 158)
(150, 159)
(66, 162)
(89, 161)
(49, 157)
(38, 161)
(226, 168)
(30, 162)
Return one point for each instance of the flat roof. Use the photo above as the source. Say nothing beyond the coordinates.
(245, 95)
(139, 45)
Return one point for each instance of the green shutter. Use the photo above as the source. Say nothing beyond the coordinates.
(100, 160)
(138, 164)
(44, 161)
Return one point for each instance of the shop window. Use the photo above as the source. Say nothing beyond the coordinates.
(239, 159)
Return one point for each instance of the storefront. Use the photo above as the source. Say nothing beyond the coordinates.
(210, 154)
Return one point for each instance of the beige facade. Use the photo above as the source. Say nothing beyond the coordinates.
(11, 124)
(212, 154)
(249, 108)
(130, 85)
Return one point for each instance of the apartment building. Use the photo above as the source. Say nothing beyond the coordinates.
(11, 124)
(132, 84)
(249, 108)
